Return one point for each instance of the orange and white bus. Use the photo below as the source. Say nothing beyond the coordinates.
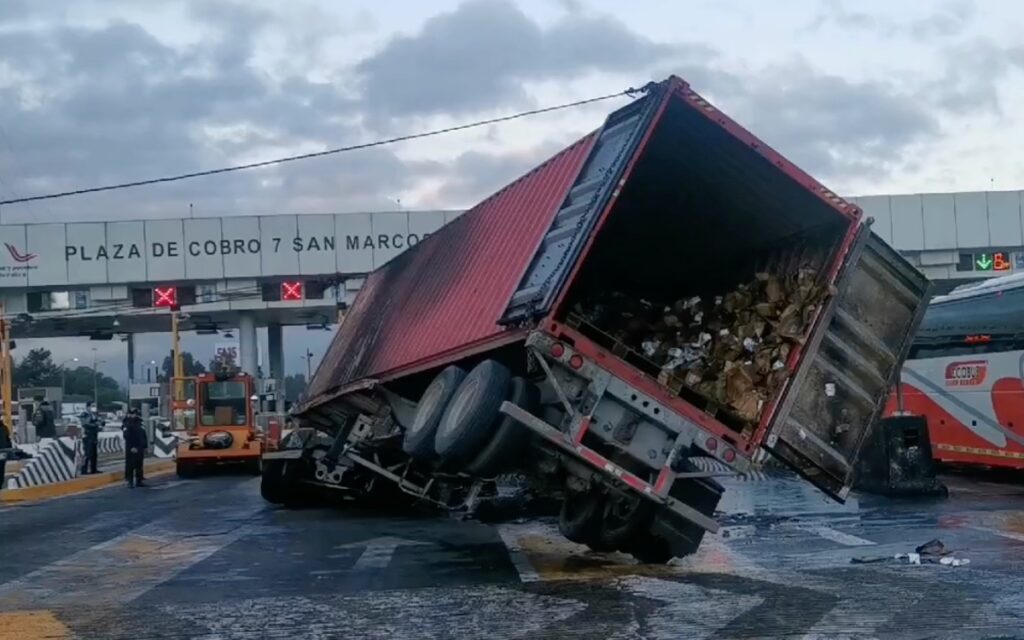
(965, 374)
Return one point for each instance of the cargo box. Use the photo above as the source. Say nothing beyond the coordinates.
(669, 200)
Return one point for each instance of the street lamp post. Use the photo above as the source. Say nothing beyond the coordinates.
(96, 380)
(63, 373)
(309, 364)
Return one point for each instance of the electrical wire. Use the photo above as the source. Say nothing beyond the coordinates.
(631, 92)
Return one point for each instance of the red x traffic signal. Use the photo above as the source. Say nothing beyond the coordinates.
(291, 290)
(165, 297)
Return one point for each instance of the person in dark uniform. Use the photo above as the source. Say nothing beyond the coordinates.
(91, 439)
(135, 444)
(6, 446)
(46, 424)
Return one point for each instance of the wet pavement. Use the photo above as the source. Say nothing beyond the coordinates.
(208, 559)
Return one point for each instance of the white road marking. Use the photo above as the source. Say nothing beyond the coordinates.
(838, 536)
(515, 553)
(1006, 534)
(122, 568)
(378, 551)
(168, 485)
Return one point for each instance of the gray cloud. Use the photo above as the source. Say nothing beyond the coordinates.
(475, 174)
(950, 19)
(832, 127)
(973, 72)
(478, 57)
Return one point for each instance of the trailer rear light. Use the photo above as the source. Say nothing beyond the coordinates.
(557, 350)
(576, 361)
(729, 455)
(711, 444)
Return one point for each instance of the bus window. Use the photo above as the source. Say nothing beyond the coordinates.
(224, 404)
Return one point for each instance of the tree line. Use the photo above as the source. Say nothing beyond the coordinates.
(37, 369)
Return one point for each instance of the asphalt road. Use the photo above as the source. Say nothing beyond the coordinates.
(208, 559)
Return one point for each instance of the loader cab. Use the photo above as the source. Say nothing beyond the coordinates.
(214, 401)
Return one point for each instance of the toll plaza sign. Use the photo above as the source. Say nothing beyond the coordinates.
(208, 248)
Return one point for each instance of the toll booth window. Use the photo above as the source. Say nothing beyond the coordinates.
(224, 404)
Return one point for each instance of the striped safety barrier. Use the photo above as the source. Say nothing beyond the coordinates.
(55, 460)
(110, 442)
(164, 446)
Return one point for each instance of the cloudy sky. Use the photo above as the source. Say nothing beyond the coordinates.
(869, 96)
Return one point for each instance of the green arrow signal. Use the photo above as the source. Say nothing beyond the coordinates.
(984, 262)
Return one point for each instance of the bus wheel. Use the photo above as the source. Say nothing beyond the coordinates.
(506, 446)
(470, 417)
(418, 441)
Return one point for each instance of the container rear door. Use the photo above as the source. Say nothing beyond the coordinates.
(837, 394)
(595, 186)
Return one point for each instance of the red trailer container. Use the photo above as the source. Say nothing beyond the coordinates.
(669, 198)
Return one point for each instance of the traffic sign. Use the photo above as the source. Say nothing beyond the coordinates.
(165, 297)
(291, 290)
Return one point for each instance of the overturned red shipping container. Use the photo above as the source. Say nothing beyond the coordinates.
(668, 198)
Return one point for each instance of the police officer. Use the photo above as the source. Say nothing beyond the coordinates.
(135, 444)
(90, 438)
(44, 421)
(6, 448)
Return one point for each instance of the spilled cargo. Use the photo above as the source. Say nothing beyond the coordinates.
(666, 290)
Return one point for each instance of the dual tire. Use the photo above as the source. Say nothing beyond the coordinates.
(458, 424)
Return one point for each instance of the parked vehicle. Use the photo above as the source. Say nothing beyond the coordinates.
(468, 356)
(965, 375)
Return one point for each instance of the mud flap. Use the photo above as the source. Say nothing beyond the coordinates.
(837, 395)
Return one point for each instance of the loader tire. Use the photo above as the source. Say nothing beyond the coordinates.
(470, 416)
(579, 520)
(510, 439)
(418, 441)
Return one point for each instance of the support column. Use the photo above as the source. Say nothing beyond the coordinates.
(247, 345)
(275, 347)
(131, 358)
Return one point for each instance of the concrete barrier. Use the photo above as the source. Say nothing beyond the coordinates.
(54, 460)
(153, 468)
(165, 446)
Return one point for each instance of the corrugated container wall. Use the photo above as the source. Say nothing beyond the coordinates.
(449, 291)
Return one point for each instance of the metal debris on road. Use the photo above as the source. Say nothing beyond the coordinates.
(931, 552)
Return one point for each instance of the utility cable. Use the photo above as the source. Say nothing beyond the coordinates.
(317, 154)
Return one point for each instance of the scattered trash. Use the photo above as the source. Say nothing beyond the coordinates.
(931, 552)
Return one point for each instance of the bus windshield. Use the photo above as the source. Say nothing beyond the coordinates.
(223, 404)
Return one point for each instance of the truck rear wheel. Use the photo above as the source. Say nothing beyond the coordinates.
(472, 412)
(648, 548)
(418, 441)
(502, 452)
(273, 485)
(579, 520)
(621, 518)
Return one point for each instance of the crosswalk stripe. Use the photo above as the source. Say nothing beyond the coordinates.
(515, 553)
(838, 536)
